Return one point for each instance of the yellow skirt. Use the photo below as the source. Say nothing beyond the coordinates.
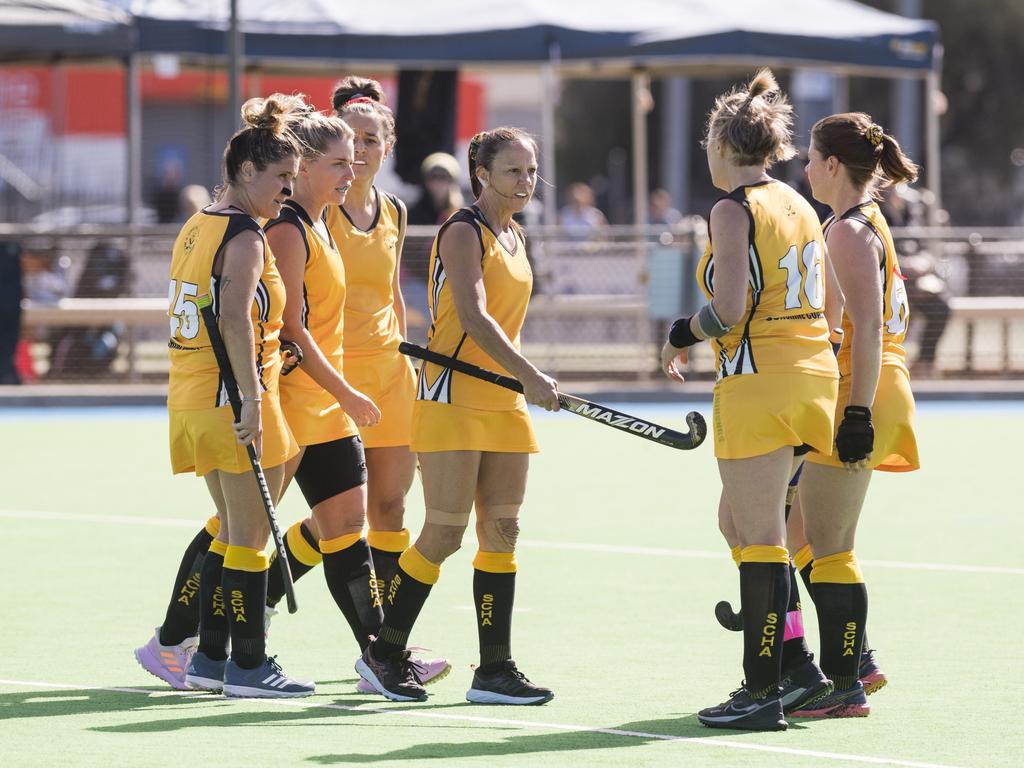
(389, 380)
(314, 415)
(203, 440)
(892, 414)
(444, 427)
(758, 413)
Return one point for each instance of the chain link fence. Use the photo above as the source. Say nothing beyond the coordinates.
(95, 306)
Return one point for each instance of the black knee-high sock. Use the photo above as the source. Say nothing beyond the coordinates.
(406, 594)
(303, 556)
(841, 600)
(213, 617)
(494, 591)
(805, 575)
(245, 594)
(385, 549)
(794, 646)
(347, 570)
(182, 617)
(764, 591)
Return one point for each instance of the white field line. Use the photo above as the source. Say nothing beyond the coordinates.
(450, 717)
(564, 546)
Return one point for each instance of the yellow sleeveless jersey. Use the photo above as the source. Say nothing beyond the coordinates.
(783, 329)
(508, 283)
(323, 294)
(195, 380)
(371, 258)
(895, 307)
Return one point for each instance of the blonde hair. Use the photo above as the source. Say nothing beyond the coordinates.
(267, 136)
(755, 122)
(315, 131)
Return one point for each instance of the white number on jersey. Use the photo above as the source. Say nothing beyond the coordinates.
(897, 324)
(184, 311)
(809, 278)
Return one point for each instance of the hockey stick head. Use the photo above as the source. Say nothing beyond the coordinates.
(698, 428)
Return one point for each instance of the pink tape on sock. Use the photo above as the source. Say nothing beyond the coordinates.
(794, 625)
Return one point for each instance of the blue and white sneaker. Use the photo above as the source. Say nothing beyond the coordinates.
(204, 673)
(267, 681)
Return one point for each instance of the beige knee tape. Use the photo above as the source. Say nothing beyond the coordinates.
(437, 517)
(502, 511)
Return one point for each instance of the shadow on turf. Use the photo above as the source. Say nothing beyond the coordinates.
(84, 701)
(684, 726)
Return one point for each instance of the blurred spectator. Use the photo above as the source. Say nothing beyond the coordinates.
(45, 276)
(441, 195)
(928, 297)
(165, 199)
(662, 212)
(580, 218)
(191, 200)
(10, 310)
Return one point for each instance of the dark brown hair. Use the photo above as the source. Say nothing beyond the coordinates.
(364, 96)
(755, 122)
(486, 144)
(873, 158)
(267, 136)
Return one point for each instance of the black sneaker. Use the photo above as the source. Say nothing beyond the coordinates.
(871, 677)
(852, 702)
(506, 685)
(803, 685)
(743, 712)
(392, 677)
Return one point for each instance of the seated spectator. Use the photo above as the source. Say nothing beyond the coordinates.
(580, 218)
(441, 195)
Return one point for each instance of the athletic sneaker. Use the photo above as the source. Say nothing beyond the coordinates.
(427, 671)
(267, 681)
(852, 702)
(393, 677)
(803, 685)
(744, 712)
(871, 676)
(205, 674)
(506, 685)
(168, 662)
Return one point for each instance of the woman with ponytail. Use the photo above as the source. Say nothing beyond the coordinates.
(473, 439)
(223, 251)
(850, 158)
(763, 273)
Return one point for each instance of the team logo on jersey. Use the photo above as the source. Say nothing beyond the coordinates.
(391, 242)
(190, 240)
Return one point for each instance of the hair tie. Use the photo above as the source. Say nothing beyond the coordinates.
(474, 145)
(357, 99)
(874, 134)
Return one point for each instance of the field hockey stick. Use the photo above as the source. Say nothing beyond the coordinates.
(684, 441)
(231, 385)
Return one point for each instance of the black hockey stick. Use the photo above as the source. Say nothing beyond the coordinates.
(727, 617)
(684, 441)
(231, 385)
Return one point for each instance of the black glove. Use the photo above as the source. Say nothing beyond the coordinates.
(856, 436)
(296, 352)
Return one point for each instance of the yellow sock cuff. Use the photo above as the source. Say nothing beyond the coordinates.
(389, 541)
(213, 526)
(338, 543)
(840, 568)
(495, 562)
(245, 559)
(302, 549)
(760, 553)
(735, 552)
(417, 566)
(802, 557)
(219, 547)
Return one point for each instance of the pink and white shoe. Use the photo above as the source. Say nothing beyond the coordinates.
(427, 671)
(168, 662)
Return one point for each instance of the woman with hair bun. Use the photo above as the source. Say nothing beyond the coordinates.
(222, 251)
(473, 439)
(763, 275)
(850, 158)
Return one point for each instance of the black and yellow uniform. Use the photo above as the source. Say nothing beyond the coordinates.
(201, 437)
(892, 412)
(777, 375)
(373, 364)
(455, 412)
(312, 413)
